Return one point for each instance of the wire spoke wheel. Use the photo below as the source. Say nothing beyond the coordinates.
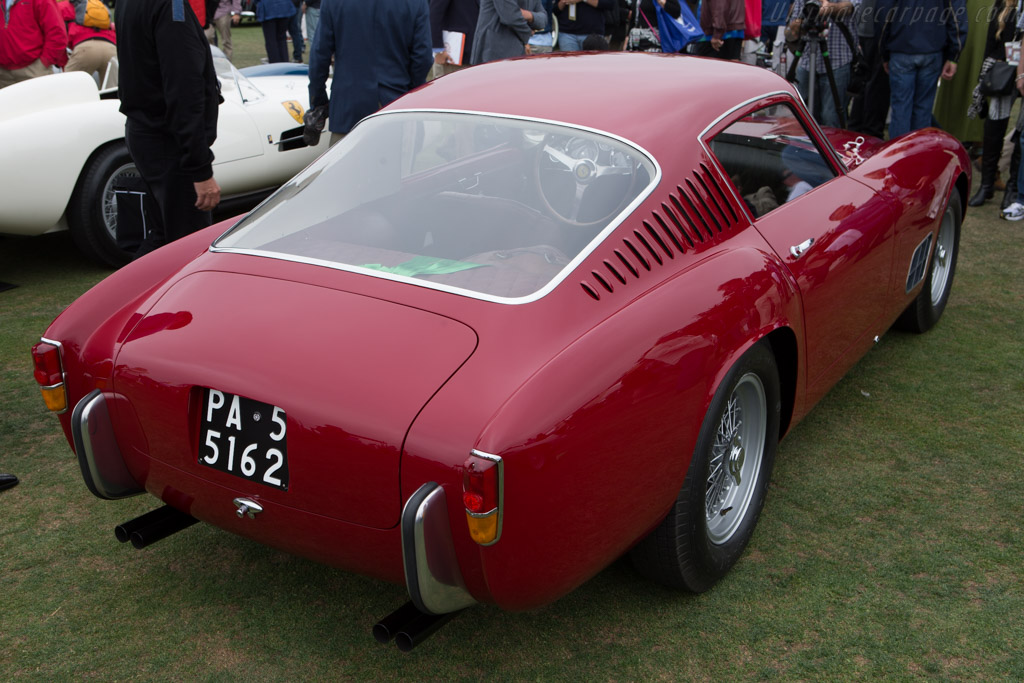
(735, 459)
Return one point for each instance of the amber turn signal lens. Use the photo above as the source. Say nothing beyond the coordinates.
(483, 528)
(56, 398)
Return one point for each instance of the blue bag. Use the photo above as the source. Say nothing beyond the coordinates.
(677, 33)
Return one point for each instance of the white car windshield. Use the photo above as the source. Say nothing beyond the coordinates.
(494, 207)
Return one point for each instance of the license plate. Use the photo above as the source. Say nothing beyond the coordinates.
(245, 438)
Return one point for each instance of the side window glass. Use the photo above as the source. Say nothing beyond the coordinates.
(770, 158)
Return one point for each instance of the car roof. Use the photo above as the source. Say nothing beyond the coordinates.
(638, 96)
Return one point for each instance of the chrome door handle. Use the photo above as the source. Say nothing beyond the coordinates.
(800, 249)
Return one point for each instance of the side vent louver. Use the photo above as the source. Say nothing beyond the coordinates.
(698, 211)
(918, 262)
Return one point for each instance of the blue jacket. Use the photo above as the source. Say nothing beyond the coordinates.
(381, 51)
(919, 27)
(273, 9)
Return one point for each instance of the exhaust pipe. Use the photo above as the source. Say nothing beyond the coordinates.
(409, 627)
(153, 526)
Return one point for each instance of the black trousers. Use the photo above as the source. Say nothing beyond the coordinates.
(173, 192)
(731, 49)
(275, 39)
(869, 109)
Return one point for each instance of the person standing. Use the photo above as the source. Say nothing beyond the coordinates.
(32, 40)
(170, 96)
(227, 14)
(92, 47)
(835, 19)
(920, 41)
(312, 13)
(275, 16)
(459, 16)
(723, 23)
(578, 19)
(295, 33)
(504, 27)
(381, 51)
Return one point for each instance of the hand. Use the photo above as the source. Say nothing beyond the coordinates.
(885, 65)
(527, 49)
(527, 14)
(236, 19)
(716, 44)
(207, 194)
(442, 58)
(948, 71)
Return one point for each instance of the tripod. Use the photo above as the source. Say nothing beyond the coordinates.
(815, 35)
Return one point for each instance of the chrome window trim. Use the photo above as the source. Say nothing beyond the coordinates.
(784, 96)
(564, 274)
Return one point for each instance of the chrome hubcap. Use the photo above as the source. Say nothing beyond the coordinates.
(109, 208)
(736, 459)
(941, 261)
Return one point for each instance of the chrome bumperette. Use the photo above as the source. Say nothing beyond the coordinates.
(432, 573)
(103, 467)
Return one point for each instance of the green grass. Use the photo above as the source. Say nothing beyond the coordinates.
(890, 546)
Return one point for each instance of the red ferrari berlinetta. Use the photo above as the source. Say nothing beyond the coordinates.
(530, 317)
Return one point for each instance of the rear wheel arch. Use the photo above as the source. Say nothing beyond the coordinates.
(782, 343)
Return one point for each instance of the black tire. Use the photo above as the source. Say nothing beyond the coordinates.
(714, 515)
(92, 213)
(927, 307)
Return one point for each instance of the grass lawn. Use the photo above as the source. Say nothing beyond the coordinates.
(890, 545)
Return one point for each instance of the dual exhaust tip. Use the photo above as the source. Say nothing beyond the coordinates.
(409, 627)
(153, 526)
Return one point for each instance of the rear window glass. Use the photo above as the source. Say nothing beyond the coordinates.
(497, 207)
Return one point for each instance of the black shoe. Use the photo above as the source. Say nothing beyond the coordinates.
(7, 481)
(1009, 197)
(984, 192)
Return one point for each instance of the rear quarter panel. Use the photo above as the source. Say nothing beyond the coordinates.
(597, 442)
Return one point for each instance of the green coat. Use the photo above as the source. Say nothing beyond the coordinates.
(954, 97)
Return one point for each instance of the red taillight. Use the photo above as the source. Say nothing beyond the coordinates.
(49, 373)
(480, 485)
(481, 495)
(47, 361)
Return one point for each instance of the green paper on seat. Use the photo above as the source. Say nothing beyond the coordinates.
(423, 265)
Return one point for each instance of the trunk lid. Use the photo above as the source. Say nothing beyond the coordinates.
(349, 371)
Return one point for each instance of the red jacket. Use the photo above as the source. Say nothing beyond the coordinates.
(31, 30)
(76, 32)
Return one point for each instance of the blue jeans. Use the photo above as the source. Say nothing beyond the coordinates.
(570, 42)
(312, 21)
(825, 112)
(913, 81)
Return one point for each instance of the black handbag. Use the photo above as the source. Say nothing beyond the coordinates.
(999, 80)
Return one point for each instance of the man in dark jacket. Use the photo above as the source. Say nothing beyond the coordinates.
(169, 95)
(920, 40)
(381, 51)
(452, 15)
(578, 19)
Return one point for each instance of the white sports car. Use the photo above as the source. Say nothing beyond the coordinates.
(64, 149)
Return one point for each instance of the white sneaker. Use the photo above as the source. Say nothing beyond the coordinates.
(1014, 212)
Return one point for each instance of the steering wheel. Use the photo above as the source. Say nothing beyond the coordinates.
(582, 180)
